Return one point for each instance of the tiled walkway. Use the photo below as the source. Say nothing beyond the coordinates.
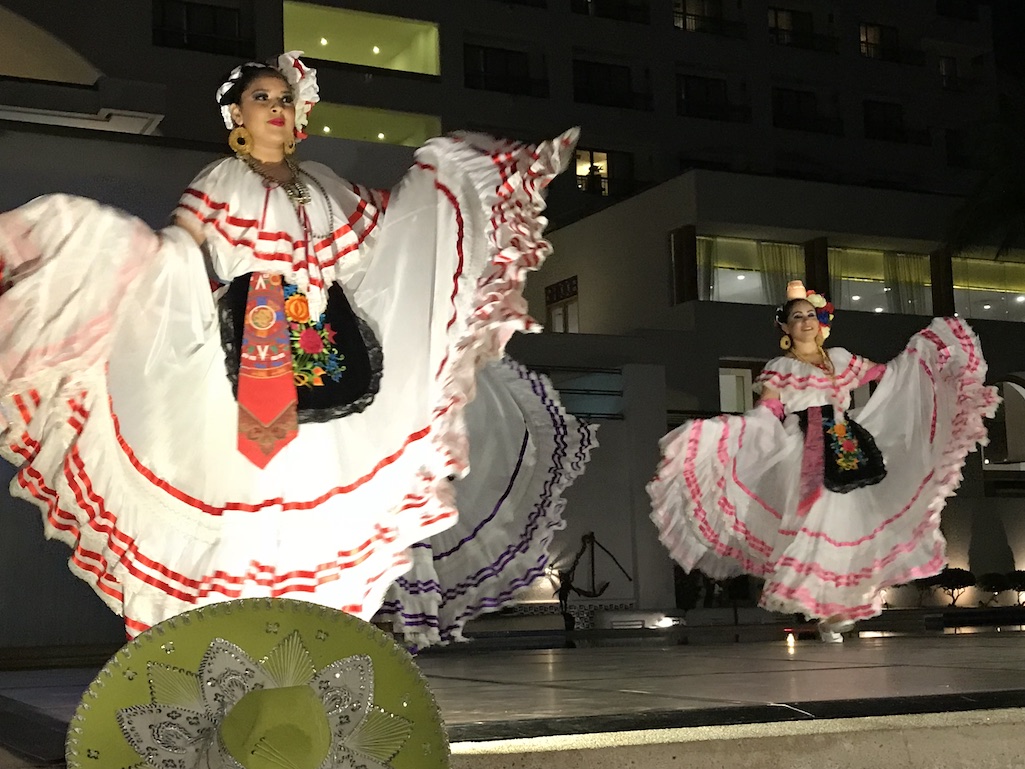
(491, 694)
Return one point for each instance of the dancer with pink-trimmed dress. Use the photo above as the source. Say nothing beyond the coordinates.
(826, 509)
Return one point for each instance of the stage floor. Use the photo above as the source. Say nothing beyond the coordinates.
(493, 694)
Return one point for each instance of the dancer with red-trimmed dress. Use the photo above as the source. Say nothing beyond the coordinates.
(298, 430)
(826, 509)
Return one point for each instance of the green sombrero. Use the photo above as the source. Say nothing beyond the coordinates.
(259, 683)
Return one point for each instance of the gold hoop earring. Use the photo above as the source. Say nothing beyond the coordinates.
(290, 146)
(240, 140)
(785, 342)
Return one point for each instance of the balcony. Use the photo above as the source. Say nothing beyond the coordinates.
(810, 122)
(713, 25)
(517, 86)
(805, 41)
(723, 111)
(898, 134)
(962, 10)
(604, 98)
(617, 10)
(892, 54)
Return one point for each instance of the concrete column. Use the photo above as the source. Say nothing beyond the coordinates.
(683, 250)
(942, 275)
(816, 265)
(644, 406)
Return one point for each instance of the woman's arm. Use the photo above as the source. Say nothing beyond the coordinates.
(769, 398)
(873, 372)
(192, 226)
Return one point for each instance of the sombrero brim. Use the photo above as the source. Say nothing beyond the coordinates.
(257, 626)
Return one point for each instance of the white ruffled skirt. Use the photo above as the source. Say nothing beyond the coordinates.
(115, 406)
(725, 497)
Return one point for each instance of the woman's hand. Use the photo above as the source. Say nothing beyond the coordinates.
(192, 226)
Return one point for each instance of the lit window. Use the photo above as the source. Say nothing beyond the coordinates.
(562, 307)
(593, 172)
(984, 288)
(363, 39)
(344, 121)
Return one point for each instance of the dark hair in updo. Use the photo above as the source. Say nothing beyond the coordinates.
(782, 313)
(250, 72)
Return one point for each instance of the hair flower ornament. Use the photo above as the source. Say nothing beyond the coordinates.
(303, 80)
(823, 310)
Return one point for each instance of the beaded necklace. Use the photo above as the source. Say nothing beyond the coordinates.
(825, 364)
(296, 189)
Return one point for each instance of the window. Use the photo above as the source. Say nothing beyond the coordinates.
(788, 27)
(965, 10)
(879, 42)
(883, 43)
(344, 121)
(959, 149)
(705, 16)
(799, 110)
(885, 121)
(707, 97)
(622, 10)
(746, 271)
(984, 288)
(880, 281)
(593, 172)
(735, 393)
(361, 39)
(562, 307)
(606, 84)
(948, 72)
(604, 173)
(215, 27)
(499, 69)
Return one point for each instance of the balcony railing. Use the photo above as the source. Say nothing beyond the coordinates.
(604, 98)
(811, 122)
(804, 40)
(899, 134)
(892, 53)
(518, 86)
(618, 10)
(714, 25)
(730, 113)
(963, 10)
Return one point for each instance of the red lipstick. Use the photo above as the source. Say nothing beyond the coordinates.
(278, 121)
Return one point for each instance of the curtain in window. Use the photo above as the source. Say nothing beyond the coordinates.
(907, 279)
(839, 289)
(780, 263)
(706, 269)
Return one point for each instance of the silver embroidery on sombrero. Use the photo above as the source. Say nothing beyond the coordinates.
(179, 729)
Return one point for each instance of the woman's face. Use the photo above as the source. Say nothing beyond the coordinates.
(267, 111)
(802, 323)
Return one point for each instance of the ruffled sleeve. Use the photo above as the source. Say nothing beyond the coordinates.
(251, 226)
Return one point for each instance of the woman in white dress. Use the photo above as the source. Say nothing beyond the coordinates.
(296, 431)
(828, 511)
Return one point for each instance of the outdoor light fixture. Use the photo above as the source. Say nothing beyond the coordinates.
(376, 49)
(1020, 299)
(327, 129)
(323, 41)
(879, 309)
(741, 277)
(986, 306)
(380, 136)
(855, 298)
